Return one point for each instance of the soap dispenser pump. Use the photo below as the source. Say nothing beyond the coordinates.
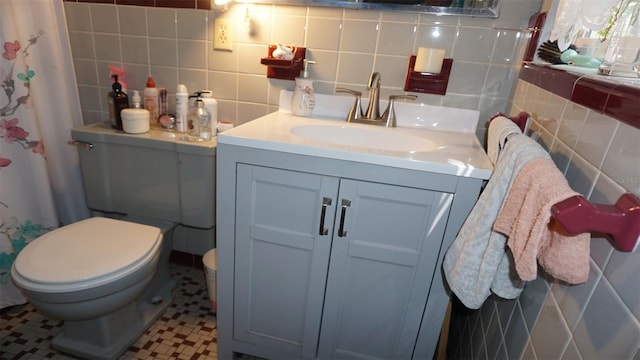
(118, 100)
(303, 100)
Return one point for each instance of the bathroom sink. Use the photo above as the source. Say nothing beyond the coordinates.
(427, 138)
(364, 137)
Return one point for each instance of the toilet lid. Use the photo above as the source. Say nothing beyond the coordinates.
(87, 252)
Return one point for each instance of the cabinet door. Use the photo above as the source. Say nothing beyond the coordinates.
(281, 257)
(381, 269)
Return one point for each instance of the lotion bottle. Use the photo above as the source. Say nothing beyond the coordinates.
(211, 105)
(182, 108)
(151, 103)
(303, 100)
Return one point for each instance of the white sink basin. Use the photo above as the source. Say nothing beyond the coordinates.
(372, 138)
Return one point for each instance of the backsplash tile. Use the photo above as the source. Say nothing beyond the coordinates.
(359, 36)
(607, 330)
(347, 45)
(596, 136)
(621, 161)
(132, 20)
(550, 336)
(323, 34)
(396, 38)
(478, 44)
(620, 271)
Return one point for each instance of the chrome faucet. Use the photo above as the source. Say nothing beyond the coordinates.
(372, 116)
(373, 110)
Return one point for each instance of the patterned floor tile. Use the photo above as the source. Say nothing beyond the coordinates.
(187, 329)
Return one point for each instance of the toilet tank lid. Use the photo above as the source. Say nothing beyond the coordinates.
(86, 250)
(154, 139)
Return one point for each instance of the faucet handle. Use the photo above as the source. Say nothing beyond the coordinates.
(356, 110)
(389, 116)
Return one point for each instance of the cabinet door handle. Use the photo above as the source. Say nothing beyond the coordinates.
(345, 204)
(325, 203)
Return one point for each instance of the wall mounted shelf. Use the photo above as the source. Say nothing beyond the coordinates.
(284, 69)
(426, 82)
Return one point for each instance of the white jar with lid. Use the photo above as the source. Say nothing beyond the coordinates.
(135, 121)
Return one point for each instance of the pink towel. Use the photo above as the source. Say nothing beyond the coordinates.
(526, 219)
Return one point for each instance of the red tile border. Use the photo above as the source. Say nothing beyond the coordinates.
(623, 102)
(180, 4)
(619, 101)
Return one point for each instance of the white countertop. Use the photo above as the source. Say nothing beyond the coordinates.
(456, 152)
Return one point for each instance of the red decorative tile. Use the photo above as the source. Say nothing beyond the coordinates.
(182, 4)
(536, 22)
(624, 104)
(136, 2)
(604, 95)
(203, 4)
(591, 93)
(558, 82)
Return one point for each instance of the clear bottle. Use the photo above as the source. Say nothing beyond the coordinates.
(165, 119)
(622, 57)
(211, 107)
(198, 116)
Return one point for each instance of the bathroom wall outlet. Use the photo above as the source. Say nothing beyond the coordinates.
(223, 34)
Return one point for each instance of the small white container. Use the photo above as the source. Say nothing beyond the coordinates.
(135, 121)
(224, 126)
(210, 268)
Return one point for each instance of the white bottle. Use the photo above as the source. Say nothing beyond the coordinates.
(210, 104)
(136, 100)
(303, 100)
(151, 102)
(182, 108)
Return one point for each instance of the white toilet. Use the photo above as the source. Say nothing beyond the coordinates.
(108, 279)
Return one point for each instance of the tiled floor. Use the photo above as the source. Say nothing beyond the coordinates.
(187, 329)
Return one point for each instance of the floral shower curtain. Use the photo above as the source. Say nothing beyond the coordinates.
(40, 183)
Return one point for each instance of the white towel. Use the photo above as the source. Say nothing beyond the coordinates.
(500, 128)
(478, 261)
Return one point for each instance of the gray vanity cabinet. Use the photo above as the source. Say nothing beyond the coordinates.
(321, 258)
(347, 261)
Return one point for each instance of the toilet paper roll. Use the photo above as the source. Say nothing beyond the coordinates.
(429, 60)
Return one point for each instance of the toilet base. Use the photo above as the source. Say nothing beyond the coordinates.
(109, 336)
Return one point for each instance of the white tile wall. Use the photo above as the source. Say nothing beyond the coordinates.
(599, 319)
(176, 46)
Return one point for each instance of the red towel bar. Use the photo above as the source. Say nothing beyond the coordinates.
(520, 120)
(622, 220)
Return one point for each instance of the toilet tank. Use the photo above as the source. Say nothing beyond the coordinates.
(154, 174)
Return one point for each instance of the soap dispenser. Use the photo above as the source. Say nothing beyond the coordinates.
(118, 100)
(303, 100)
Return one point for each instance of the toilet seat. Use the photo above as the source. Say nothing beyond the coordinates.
(85, 255)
